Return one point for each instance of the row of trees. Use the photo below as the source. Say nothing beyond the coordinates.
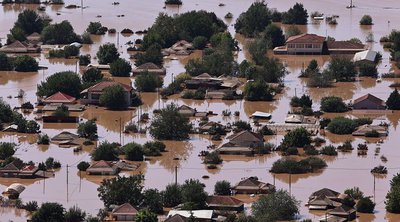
(23, 63)
(258, 16)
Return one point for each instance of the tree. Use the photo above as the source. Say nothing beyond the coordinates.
(172, 195)
(59, 33)
(275, 34)
(393, 196)
(212, 158)
(297, 138)
(258, 50)
(114, 97)
(152, 54)
(222, 188)
(88, 129)
(169, 124)
(29, 22)
(107, 53)
(153, 199)
(83, 165)
(75, 214)
(133, 151)
(292, 31)
(303, 101)
(148, 82)
(61, 111)
(105, 151)
(354, 193)
(95, 28)
(341, 125)
(66, 82)
(368, 69)
(276, 206)
(49, 212)
(193, 194)
(333, 104)
(311, 68)
(146, 216)
(365, 205)
(393, 102)
(6, 150)
(92, 75)
(254, 20)
(342, 69)
(6, 113)
(5, 62)
(173, 2)
(199, 42)
(120, 190)
(257, 91)
(366, 20)
(295, 15)
(25, 63)
(120, 67)
(329, 150)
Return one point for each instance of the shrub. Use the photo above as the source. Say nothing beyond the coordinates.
(303, 101)
(86, 39)
(27, 105)
(310, 150)
(114, 97)
(222, 188)
(354, 193)
(59, 33)
(43, 139)
(154, 148)
(297, 138)
(341, 125)
(266, 131)
(107, 53)
(212, 158)
(84, 60)
(328, 150)
(372, 133)
(148, 82)
(5, 62)
(333, 104)
(83, 165)
(379, 170)
(95, 28)
(368, 69)
(31, 206)
(61, 111)
(365, 205)
(393, 102)
(366, 20)
(309, 164)
(88, 129)
(6, 150)
(173, 2)
(120, 67)
(105, 151)
(346, 146)
(92, 75)
(199, 42)
(131, 128)
(241, 125)
(133, 151)
(25, 63)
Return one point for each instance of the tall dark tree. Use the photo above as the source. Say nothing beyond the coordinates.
(152, 54)
(49, 212)
(29, 21)
(193, 194)
(114, 97)
(66, 82)
(105, 151)
(59, 33)
(107, 53)
(148, 82)
(254, 20)
(393, 102)
(295, 15)
(275, 34)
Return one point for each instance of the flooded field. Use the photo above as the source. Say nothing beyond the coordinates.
(344, 171)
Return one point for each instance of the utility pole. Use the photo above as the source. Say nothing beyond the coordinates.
(374, 188)
(274, 178)
(176, 174)
(117, 40)
(120, 130)
(290, 183)
(67, 183)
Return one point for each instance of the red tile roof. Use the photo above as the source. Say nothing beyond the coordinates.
(59, 97)
(306, 38)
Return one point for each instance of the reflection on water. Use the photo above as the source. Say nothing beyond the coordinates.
(344, 171)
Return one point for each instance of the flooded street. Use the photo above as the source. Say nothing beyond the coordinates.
(344, 171)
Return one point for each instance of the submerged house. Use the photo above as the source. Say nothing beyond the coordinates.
(102, 168)
(187, 111)
(241, 143)
(368, 56)
(20, 47)
(252, 185)
(92, 94)
(199, 215)
(369, 102)
(177, 218)
(344, 211)
(364, 130)
(181, 47)
(322, 203)
(149, 67)
(18, 169)
(64, 136)
(315, 44)
(326, 192)
(224, 203)
(124, 212)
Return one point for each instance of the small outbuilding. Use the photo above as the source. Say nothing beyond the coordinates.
(149, 67)
(252, 185)
(102, 168)
(124, 212)
(365, 56)
(369, 102)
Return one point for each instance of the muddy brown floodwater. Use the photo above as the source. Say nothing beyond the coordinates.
(344, 171)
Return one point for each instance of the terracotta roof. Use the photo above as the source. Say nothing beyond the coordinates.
(344, 45)
(59, 97)
(306, 38)
(371, 98)
(101, 164)
(99, 87)
(15, 45)
(223, 200)
(125, 209)
(176, 218)
(10, 167)
(148, 65)
(185, 107)
(29, 168)
(245, 136)
(252, 183)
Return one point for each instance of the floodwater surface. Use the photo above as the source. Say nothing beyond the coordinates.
(344, 171)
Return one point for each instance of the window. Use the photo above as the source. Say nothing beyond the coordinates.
(316, 46)
(309, 46)
(300, 46)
